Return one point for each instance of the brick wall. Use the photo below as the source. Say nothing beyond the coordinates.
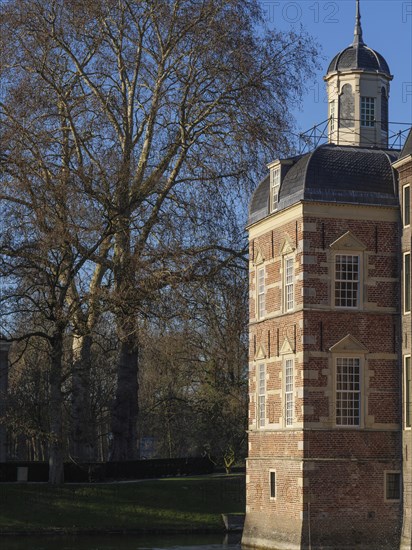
(405, 178)
(330, 479)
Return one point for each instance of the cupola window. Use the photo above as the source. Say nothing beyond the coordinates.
(368, 111)
(332, 115)
(384, 110)
(347, 107)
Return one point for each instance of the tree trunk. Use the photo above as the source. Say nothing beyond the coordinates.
(82, 424)
(56, 453)
(125, 406)
(4, 377)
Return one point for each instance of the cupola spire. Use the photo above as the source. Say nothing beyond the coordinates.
(357, 38)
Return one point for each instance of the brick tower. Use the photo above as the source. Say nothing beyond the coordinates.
(324, 462)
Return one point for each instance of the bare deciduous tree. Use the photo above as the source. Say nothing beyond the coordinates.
(47, 239)
(165, 108)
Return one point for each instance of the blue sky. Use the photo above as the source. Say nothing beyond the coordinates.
(387, 28)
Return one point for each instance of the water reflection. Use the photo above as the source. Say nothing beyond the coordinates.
(122, 542)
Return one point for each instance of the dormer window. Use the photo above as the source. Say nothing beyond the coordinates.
(274, 187)
(368, 112)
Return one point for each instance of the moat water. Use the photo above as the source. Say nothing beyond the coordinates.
(116, 542)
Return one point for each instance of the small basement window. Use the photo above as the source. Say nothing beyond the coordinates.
(272, 480)
(392, 486)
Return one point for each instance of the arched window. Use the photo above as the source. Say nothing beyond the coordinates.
(346, 107)
(384, 110)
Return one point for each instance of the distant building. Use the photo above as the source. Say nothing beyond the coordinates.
(330, 330)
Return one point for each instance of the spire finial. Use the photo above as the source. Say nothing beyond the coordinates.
(357, 38)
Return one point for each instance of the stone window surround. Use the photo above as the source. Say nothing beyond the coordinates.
(288, 390)
(260, 285)
(260, 292)
(348, 245)
(287, 253)
(406, 206)
(406, 298)
(349, 347)
(288, 283)
(261, 388)
(347, 288)
(350, 393)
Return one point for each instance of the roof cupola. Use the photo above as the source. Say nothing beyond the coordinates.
(358, 91)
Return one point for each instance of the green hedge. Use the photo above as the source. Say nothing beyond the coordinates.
(100, 471)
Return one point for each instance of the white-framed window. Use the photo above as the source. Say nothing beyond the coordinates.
(392, 486)
(274, 187)
(407, 282)
(289, 282)
(368, 111)
(407, 391)
(261, 298)
(272, 484)
(406, 205)
(347, 280)
(289, 401)
(348, 391)
(261, 402)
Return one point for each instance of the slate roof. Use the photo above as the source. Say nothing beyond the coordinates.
(359, 57)
(332, 173)
(259, 205)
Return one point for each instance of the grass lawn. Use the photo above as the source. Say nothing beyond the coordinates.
(170, 504)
